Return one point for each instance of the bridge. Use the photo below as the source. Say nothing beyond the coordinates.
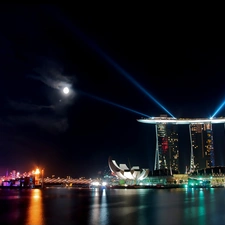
(75, 181)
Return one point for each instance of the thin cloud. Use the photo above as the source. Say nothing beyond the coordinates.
(23, 106)
(47, 118)
(51, 118)
(51, 74)
(48, 123)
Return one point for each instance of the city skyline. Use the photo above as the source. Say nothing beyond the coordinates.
(118, 68)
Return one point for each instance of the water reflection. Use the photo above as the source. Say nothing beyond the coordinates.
(197, 205)
(143, 214)
(99, 208)
(201, 208)
(106, 207)
(35, 209)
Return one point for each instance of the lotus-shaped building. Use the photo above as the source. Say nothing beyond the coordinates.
(123, 172)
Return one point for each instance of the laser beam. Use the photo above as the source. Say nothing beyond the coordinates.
(132, 80)
(219, 108)
(78, 33)
(126, 75)
(114, 104)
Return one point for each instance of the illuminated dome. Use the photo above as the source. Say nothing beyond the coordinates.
(123, 172)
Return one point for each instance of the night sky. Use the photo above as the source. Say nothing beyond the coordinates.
(109, 58)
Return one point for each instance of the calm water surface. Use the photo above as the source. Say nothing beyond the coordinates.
(108, 207)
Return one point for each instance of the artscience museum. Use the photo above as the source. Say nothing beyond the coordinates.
(122, 171)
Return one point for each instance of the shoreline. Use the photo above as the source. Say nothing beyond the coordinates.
(112, 187)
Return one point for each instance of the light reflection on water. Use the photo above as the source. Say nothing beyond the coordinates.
(67, 206)
(205, 206)
(35, 209)
(196, 207)
(99, 208)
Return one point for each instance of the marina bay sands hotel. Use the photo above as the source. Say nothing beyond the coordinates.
(167, 148)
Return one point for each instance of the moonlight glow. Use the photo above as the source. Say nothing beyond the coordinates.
(66, 90)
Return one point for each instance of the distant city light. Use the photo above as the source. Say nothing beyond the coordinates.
(95, 183)
(37, 171)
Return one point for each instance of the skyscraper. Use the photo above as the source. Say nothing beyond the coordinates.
(201, 142)
(202, 154)
(167, 150)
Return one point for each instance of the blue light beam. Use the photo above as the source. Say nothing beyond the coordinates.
(219, 108)
(114, 104)
(132, 80)
(78, 33)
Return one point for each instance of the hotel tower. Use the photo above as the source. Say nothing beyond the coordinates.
(202, 150)
(167, 148)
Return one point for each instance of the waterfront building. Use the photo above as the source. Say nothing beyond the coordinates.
(167, 150)
(132, 175)
(201, 141)
(202, 146)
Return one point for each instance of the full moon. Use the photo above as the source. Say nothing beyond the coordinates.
(66, 90)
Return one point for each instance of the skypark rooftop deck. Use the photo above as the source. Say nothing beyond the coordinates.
(155, 120)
